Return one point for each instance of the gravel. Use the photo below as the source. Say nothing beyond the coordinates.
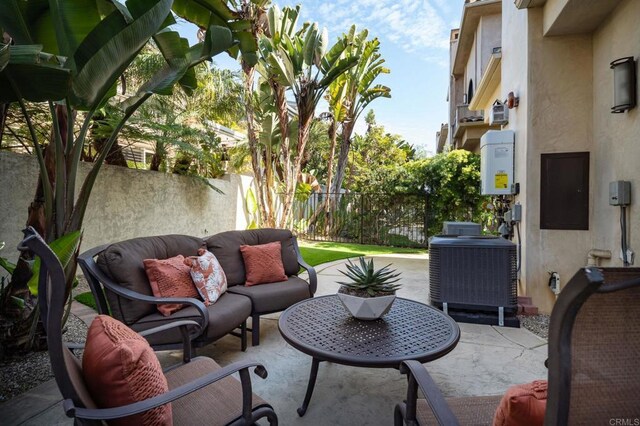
(537, 324)
(24, 373)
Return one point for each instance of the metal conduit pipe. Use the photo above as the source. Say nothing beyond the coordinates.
(595, 255)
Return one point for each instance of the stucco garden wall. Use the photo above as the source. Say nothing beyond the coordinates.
(127, 203)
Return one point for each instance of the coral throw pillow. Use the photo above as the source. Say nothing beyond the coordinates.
(120, 368)
(263, 263)
(207, 275)
(170, 278)
(523, 405)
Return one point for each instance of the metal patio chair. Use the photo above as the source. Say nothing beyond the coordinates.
(594, 362)
(200, 390)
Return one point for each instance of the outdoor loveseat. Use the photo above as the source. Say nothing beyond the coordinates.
(120, 286)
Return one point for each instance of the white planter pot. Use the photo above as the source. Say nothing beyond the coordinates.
(366, 308)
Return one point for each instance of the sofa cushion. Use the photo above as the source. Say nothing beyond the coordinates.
(207, 275)
(226, 247)
(523, 404)
(170, 278)
(225, 315)
(263, 263)
(122, 262)
(274, 297)
(120, 368)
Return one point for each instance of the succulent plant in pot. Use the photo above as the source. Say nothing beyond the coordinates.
(371, 292)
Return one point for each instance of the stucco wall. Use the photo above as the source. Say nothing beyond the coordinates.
(489, 34)
(560, 120)
(471, 69)
(566, 91)
(616, 136)
(127, 203)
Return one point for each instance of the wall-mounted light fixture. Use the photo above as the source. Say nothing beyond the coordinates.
(624, 84)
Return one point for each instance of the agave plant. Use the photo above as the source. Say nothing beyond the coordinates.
(366, 280)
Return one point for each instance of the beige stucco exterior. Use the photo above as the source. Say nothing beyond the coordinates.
(556, 58)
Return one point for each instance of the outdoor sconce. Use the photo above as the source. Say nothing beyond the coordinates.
(624, 84)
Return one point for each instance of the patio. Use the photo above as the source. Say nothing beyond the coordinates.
(486, 361)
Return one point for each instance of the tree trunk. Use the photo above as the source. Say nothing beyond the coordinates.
(17, 323)
(345, 147)
(266, 217)
(115, 156)
(306, 113)
(324, 207)
(289, 176)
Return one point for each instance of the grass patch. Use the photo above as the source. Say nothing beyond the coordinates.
(316, 253)
(87, 299)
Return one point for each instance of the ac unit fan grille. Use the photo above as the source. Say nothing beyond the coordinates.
(480, 277)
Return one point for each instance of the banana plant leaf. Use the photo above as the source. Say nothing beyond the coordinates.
(110, 47)
(64, 248)
(25, 65)
(7, 266)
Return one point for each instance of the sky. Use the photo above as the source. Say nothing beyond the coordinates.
(414, 41)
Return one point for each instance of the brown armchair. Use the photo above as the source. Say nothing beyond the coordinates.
(199, 389)
(594, 366)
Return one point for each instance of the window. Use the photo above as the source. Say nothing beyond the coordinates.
(470, 91)
(564, 191)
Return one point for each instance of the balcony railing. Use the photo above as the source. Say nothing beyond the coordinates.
(464, 115)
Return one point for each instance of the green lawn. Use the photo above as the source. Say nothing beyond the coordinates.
(314, 253)
(87, 299)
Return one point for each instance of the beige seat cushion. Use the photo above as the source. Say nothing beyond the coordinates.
(217, 404)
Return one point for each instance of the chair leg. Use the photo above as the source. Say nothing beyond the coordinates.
(243, 336)
(255, 330)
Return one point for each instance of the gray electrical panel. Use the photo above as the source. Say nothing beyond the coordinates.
(620, 193)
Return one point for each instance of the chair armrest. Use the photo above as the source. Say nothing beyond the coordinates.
(93, 272)
(420, 378)
(313, 277)
(138, 407)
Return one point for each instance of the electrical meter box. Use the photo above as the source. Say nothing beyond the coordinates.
(496, 162)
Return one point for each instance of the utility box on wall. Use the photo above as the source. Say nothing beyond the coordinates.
(496, 162)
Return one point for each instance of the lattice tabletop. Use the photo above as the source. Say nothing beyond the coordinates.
(322, 328)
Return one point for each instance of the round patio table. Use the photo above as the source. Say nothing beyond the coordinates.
(322, 328)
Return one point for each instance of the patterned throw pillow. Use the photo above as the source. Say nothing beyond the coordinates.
(207, 275)
(523, 405)
(120, 368)
(263, 263)
(170, 278)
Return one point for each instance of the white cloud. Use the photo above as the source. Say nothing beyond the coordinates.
(413, 26)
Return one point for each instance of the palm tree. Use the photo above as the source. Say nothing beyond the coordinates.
(358, 93)
(300, 62)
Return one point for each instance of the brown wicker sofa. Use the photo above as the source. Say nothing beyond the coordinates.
(120, 286)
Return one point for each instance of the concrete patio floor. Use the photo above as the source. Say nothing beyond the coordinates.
(486, 361)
